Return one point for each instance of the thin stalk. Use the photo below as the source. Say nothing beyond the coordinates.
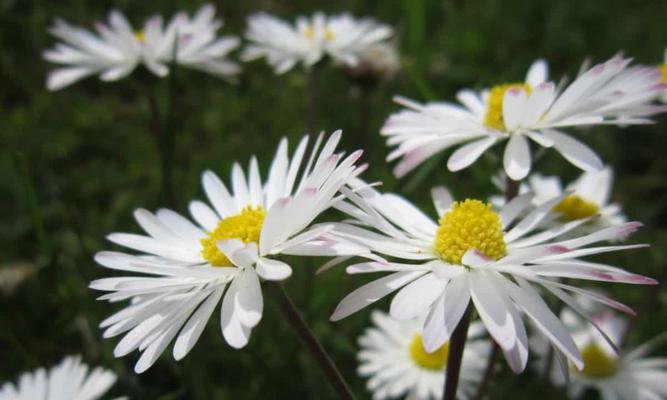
(511, 191)
(311, 342)
(169, 141)
(456, 345)
(363, 131)
(31, 199)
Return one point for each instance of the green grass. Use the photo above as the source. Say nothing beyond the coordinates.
(74, 164)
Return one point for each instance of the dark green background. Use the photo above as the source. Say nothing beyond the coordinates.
(91, 158)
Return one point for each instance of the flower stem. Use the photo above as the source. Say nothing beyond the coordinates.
(31, 199)
(309, 339)
(313, 93)
(456, 345)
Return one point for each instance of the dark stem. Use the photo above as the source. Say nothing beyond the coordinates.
(313, 92)
(456, 345)
(165, 147)
(309, 339)
(488, 372)
(511, 188)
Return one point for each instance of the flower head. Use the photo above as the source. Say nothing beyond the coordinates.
(392, 356)
(474, 254)
(116, 49)
(624, 375)
(233, 245)
(284, 45)
(71, 379)
(608, 93)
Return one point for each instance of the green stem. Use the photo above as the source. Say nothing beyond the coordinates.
(457, 344)
(311, 342)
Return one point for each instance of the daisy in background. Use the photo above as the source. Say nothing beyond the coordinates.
(342, 37)
(380, 61)
(494, 259)
(611, 93)
(588, 198)
(115, 49)
(392, 356)
(69, 380)
(186, 267)
(625, 376)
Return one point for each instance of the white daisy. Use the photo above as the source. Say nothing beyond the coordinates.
(624, 376)
(392, 356)
(229, 250)
(69, 380)
(588, 197)
(116, 49)
(473, 253)
(284, 45)
(608, 93)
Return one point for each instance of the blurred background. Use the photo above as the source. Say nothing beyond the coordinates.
(75, 163)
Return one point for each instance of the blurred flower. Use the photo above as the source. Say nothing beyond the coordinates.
(232, 247)
(116, 49)
(611, 93)
(474, 253)
(11, 276)
(379, 61)
(585, 198)
(342, 37)
(624, 376)
(392, 356)
(71, 379)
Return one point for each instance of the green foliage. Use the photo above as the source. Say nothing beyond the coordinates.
(88, 157)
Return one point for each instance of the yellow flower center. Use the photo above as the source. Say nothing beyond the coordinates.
(434, 361)
(597, 363)
(140, 36)
(245, 226)
(310, 33)
(470, 224)
(574, 207)
(494, 110)
(663, 73)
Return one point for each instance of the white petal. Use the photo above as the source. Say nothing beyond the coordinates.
(517, 157)
(372, 292)
(575, 151)
(469, 153)
(442, 199)
(412, 300)
(537, 73)
(492, 309)
(273, 270)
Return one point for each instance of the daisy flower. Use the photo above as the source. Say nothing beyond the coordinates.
(115, 49)
(284, 45)
(69, 380)
(377, 61)
(496, 260)
(616, 376)
(391, 354)
(588, 198)
(609, 93)
(186, 267)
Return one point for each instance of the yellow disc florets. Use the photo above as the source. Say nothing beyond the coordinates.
(494, 110)
(433, 361)
(245, 226)
(597, 362)
(663, 73)
(140, 36)
(574, 207)
(470, 224)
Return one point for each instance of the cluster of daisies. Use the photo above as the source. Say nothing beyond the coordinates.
(498, 261)
(116, 48)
